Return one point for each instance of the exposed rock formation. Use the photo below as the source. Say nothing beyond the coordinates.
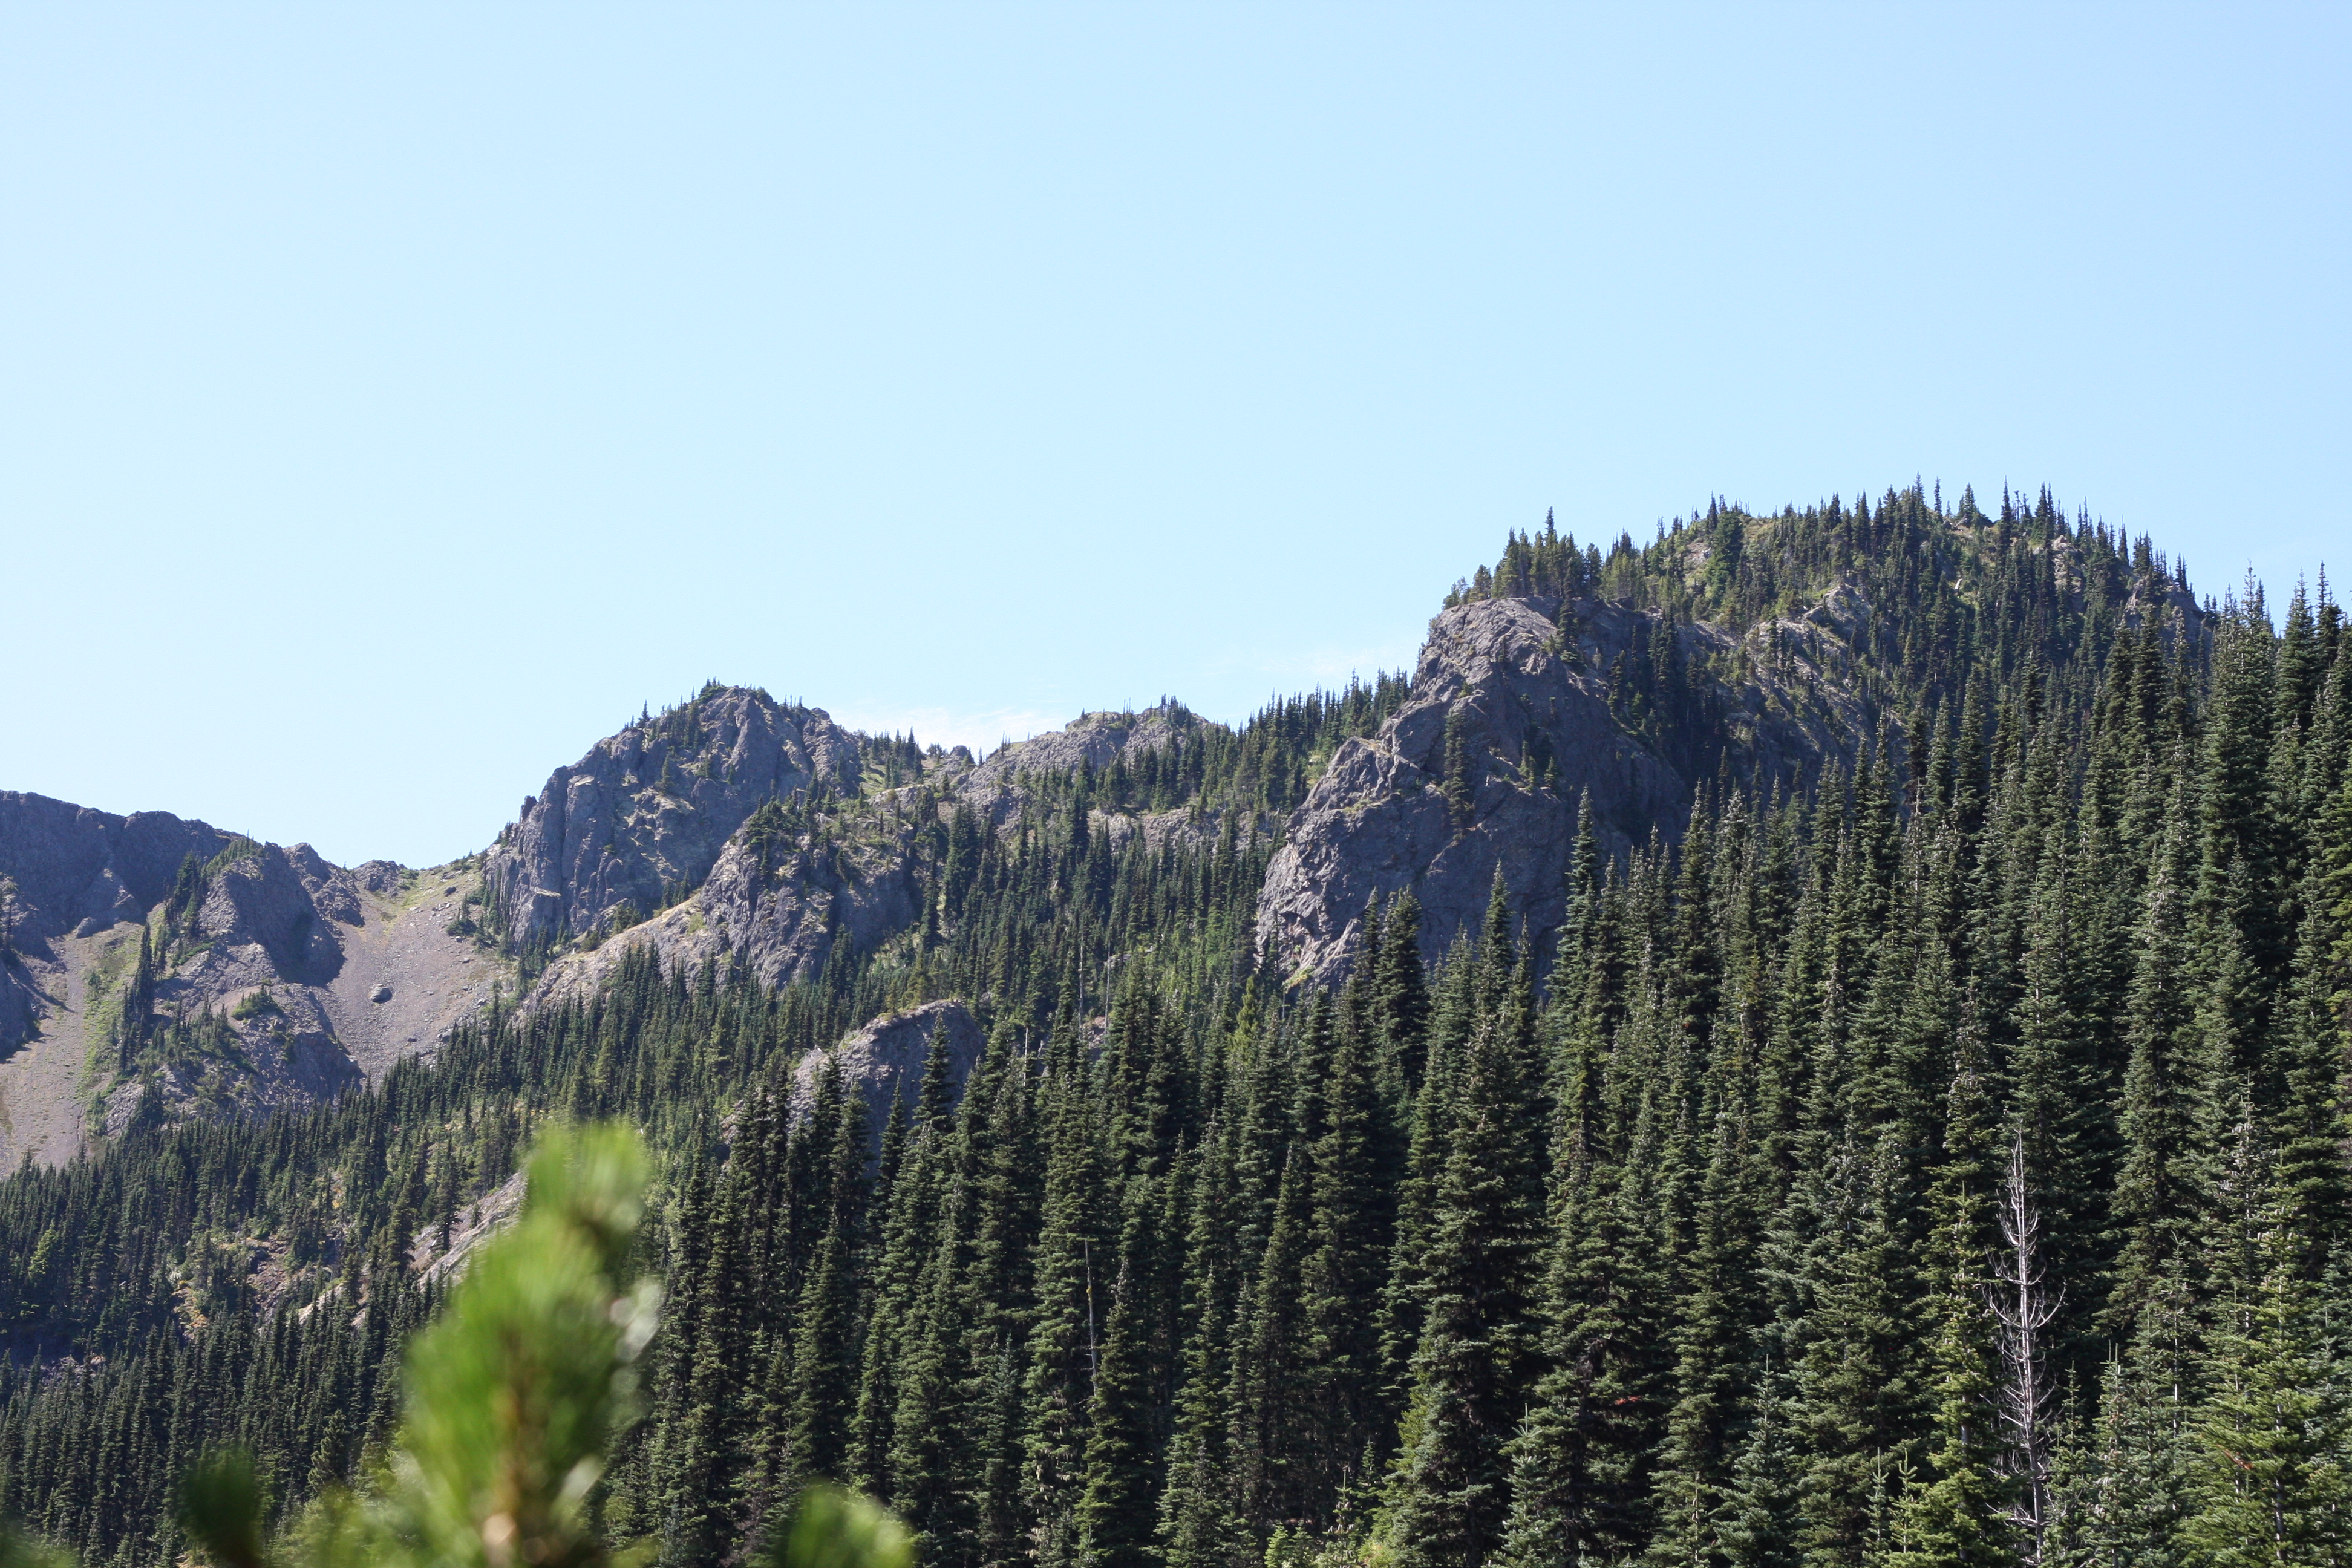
(284, 1052)
(1512, 725)
(1094, 740)
(74, 868)
(886, 1058)
(782, 905)
(644, 814)
(781, 909)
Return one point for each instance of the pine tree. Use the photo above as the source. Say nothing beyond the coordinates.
(1400, 1021)
(1760, 1517)
(2275, 1477)
(2125, 1493)
(824, 1366)
(1116, 1513)
(1200, 1527)
(1347, 1239)
(1403, 1296)
(2160, 1187)
(1961, 1516)
(1449, 1501)
(1064, 1340)
(2310, 1128)
(1006, 1193)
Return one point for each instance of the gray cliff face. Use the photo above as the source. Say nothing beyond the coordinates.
(72, 868)
(270, 916)
(1523, 688)
(338, 973)
(1381, 820)
(787, 919)
(68, 874)
(648, 813)
(781, 923)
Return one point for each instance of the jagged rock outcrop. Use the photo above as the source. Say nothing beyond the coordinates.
(1519, 713)
(780, 906)
(885, 1058)
(786, 909)
(269, 915)
(779, 909)
(645, 814)
(1099, 741)
(265, 915)
(284, 1053)
(71, 869)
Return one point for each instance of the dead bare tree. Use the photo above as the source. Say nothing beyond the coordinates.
(2022, 1306)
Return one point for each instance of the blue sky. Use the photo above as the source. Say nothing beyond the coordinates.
(392, 399)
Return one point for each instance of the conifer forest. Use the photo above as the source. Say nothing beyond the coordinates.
(1917, 1138)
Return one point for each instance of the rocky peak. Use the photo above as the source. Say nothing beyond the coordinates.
(797, 875)
(643, 817)
(71, 868)
(1523, 710)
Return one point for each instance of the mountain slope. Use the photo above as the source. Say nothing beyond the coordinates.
(1511, 733)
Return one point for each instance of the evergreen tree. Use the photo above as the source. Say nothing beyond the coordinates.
(1064, 1340)
(1958, 1513)
(825, 1367)
(1450, 1497)
(2274, 1478)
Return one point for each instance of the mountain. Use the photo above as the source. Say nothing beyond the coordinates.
(1819, 1039)
(735, 827)
(644, 814)
(161, 968)
(730, 827)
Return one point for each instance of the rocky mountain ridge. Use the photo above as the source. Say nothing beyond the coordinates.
(735, 827)
(739, 827)
(793, 880)
(275, 978)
